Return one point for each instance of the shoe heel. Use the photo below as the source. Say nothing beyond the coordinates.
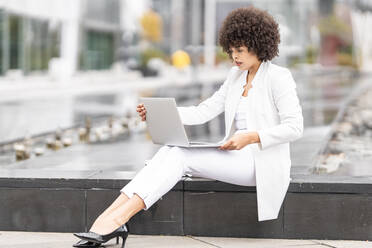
(124, 237)
(117, 240)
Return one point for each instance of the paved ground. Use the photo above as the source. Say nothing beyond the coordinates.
(62, 240)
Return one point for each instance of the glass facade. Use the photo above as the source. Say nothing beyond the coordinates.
(43, 43)
(37, 45)
(54, 39)
(97, 50)
(2, 41)
(27, 44)
(15, 42)
(99, 31)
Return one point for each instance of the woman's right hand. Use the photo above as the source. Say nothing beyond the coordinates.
(142, 111)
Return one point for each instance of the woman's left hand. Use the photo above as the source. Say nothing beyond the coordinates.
(238, 141)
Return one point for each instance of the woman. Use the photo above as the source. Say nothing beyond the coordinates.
(260, 97)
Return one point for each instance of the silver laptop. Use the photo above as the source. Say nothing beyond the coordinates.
(164, 123)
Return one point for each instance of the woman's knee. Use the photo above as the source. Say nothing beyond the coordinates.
(173, 157)
(172, 149)
(178, 152)
(165, 147)
(178, 156)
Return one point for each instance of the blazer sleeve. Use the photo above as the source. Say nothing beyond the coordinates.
(208, 109)
(289, 111)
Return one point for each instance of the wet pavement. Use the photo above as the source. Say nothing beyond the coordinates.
(129, 155)
(319, 95)
(347, 150)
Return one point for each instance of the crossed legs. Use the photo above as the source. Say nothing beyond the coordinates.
(165, 169)
(126, 205)
(118, 213)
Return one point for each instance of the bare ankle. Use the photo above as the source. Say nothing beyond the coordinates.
(119, 221)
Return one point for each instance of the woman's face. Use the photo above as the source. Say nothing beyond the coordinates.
(243, 58)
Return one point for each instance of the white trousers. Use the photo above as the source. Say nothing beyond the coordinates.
(170, 164)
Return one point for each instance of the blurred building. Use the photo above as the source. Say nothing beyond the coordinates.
(64, 36)
(81, 34)
(326, 32)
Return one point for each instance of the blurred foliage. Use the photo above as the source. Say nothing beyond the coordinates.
(345, 56)
(336, 30)
(221, 56)
(311, 57)
(346, 59)
(347, 49)
(152, 32)
(335, 26)
(150, 53)
(294, 61)
(152, 26)
(311, 54)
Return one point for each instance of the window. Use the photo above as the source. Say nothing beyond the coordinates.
(15, 42)
(2, 42)
(98, 50)
(37, 46)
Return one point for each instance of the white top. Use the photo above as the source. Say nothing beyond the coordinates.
(241, 114)
(244, 106)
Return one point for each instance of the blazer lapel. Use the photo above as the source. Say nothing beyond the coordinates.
(235, 93)
(233, 101)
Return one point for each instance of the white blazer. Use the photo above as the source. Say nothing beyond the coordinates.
(275, 113)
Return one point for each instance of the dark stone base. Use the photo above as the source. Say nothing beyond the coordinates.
(46, 210)
(227, 214)
(199, 207)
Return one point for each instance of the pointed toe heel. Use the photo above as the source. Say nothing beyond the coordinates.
(122, 232)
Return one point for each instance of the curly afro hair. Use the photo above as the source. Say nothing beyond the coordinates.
(253, 28)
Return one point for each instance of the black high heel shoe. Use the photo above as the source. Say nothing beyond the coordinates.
(122, 232)
(89, 244)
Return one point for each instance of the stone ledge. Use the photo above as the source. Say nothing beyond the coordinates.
(28, 178)
(195, 206)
